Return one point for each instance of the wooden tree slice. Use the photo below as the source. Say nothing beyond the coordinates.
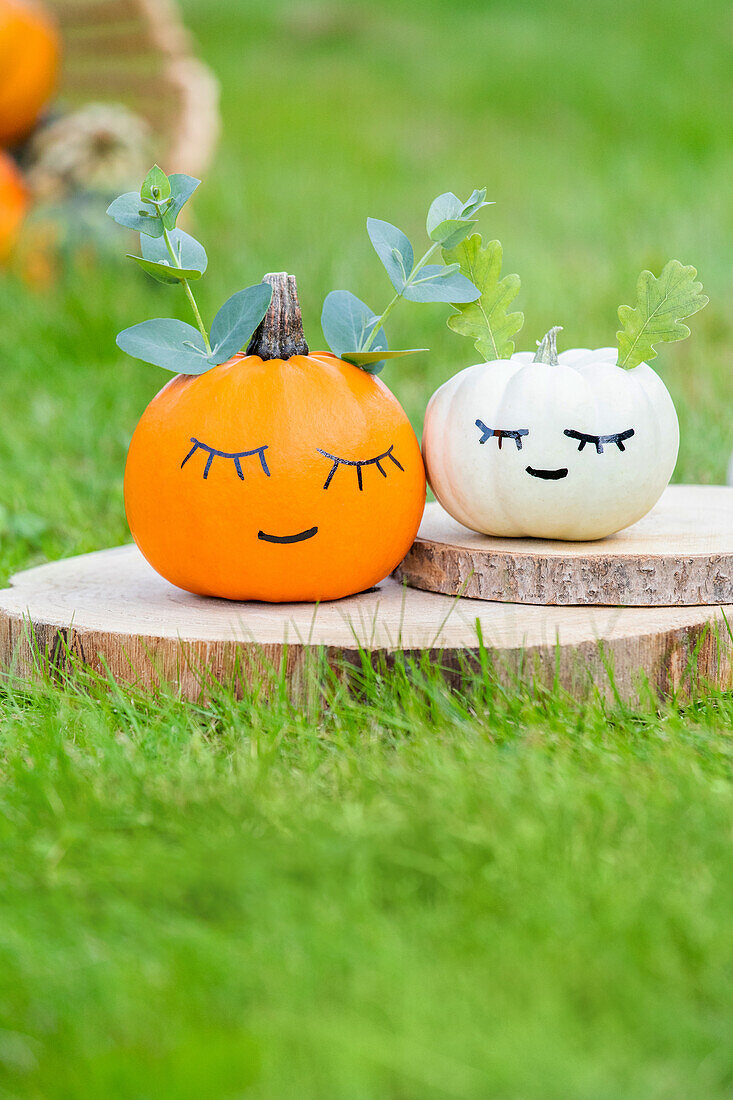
(680, 554)
(113, 613)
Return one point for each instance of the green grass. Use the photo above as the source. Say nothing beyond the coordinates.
(405, 894)
(401, 892)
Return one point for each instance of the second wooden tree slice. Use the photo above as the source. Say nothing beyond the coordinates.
(680, 554)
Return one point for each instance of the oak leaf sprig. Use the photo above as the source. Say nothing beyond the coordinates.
(486, 320)
(355, 332)
(172, 256)
(661, 306)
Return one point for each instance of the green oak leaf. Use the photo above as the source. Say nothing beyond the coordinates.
(661, 306)
(486, 320)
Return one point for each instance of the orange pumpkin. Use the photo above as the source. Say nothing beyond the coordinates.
(13, 204)
(29, 61)
(280, 475)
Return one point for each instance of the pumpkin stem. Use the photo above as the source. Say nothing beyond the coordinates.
(280, 333)
(547, 347)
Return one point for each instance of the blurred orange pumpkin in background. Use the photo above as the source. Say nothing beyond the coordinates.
(13, 203)
(29, 63)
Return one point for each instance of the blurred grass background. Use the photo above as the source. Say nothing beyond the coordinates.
(411, 894)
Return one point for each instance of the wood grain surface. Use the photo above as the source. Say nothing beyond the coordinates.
(113, 613)
(681, 554)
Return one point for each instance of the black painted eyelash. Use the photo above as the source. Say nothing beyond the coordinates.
(234, 455)
(600, 440)
(516, 434)
(364, 462)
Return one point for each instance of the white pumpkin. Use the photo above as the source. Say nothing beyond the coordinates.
(573, 447)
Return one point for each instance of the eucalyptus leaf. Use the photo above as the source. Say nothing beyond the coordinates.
(373, 361)
(449, 208)
(348, 322)
(190, 253)
(237, 319)
(165, 272)
(475, 202)
(349, 325)
(156, 186)
(435, 283)
(661, 306)
(393, 249)
(452, 231)
(486, 320)
(130, 211)
(166, 343)
(182, 187)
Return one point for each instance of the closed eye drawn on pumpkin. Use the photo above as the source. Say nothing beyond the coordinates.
(235, 456)
(599, 441)
(502, 434)
(359, 464)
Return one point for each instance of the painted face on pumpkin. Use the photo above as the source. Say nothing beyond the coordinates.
(236, 457)
(297, 479)
(517, 434)
(576, 450)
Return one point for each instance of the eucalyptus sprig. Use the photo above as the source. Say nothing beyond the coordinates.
(172, 256)
(353, 331)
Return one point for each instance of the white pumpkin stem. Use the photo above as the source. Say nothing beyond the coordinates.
(547, 347)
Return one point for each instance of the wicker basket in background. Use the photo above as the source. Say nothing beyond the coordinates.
(138, 53)
(131, 92)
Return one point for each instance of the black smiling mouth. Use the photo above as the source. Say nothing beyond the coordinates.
(300, 537)
(548, 475)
